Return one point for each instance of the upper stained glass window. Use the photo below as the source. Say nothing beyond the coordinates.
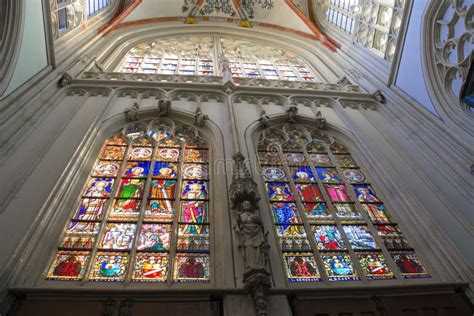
(196, 55)
(144, 214)
(330, 220)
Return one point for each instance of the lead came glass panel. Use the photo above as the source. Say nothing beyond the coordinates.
(315, 185)
(125, 227)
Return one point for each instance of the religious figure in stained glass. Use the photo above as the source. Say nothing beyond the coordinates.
(303, 174)
(359, 237)
(188, 267)
(285, 213)
(154, 237)
(159, 211)
(301, 268)
(165, 170)
(196, 190)
(162, 189)
(328, 237)
(125, 209)
(409, 265)
(279, 192)
(99, 187)
(377, 213)
(328, 175)
(118, 236)
(193, 212)
(138, 169)
(90, 209)
(196, 155)
(131, 188)
(309, 192)
(69, 265)
(316, 211)
(365, 193)
(339, 267)
(112, 153)
(337, 193)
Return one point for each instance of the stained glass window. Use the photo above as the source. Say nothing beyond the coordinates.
(144, 212)
(196, 55)
(330, 221)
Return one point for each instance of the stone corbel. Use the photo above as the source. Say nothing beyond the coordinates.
(320, 121)
(264, 119)
(65, 80)
(252, 238)
(131, 114)
(379, 97)
(292, 112)
(164, 107)
(200, 118)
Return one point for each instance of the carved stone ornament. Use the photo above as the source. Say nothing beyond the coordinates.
(320, 121)
(164, 107)
(65, 80)
(264, 119)
(131, 114)
(292, 111)
(344, 80)
(200, 118)
(379, 97)
(228, 85)
(252, 239)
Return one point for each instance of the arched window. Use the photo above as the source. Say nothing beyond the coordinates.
(330, 222)
(374, 23)
(196, 55)
(143, 213)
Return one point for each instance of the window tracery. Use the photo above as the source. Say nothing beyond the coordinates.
(143, 215)
(452, 45)
(374, 24)
(330, 222)
(198, 55)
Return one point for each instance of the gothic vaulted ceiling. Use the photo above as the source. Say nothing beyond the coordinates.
(291, 16)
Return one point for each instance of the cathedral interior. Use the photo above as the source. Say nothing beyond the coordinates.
(236, 157)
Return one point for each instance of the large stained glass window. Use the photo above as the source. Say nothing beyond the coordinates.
(330, 221)
(143, 215)
(198, 55)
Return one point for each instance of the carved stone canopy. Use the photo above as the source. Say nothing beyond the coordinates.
(243, 188)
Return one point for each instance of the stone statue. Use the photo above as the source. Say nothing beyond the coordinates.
(264, 119)
(75, 14)
(292, 111)
(164, 107)
(200, 118)
(131, 114)
(320, 121)
(253, 242)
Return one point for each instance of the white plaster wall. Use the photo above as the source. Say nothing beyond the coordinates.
(32, 56)
(411, 78)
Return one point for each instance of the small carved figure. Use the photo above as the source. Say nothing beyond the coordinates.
(292, 111)
(200, 118)
(264, 119)
(253, 242)
(65, 80)
(379, 97)
(131, 114)
(344, 80)
(320, 121)
(164, 107)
